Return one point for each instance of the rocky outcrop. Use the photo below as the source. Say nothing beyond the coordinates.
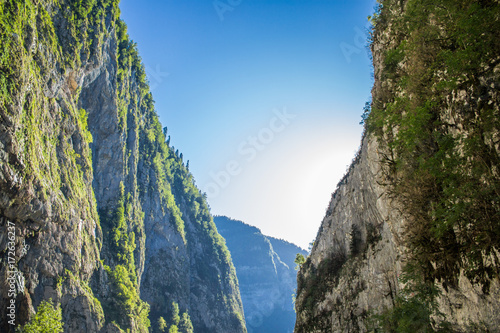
(47, 199)
(266, 275)
(354, 265)
(99, 213)
(368, 234)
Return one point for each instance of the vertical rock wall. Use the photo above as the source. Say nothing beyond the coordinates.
(354, 268)
(88, 184)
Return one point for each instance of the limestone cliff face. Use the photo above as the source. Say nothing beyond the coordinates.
(106, 217)
(46, 173)
(353, 269)
(365, 240)
(266, 275)
(355, 261)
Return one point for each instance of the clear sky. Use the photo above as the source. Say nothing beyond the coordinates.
(264, 99)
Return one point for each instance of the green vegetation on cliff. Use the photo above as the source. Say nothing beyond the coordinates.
(45, 150)
(29, 46)
(167, 179)
(48, 319)
(436, 109)
(178, 324)
(51, 52)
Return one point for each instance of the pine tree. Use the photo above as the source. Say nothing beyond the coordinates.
(186, 326)
(162, 324)
(48, 319)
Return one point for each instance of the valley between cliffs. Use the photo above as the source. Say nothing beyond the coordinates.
(102, 222)
(266, 273)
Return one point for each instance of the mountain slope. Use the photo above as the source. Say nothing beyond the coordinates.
(266, 281)
(286, 251)
(114, 227)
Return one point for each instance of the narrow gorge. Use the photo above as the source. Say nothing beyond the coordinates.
(266, 273)
(103, 228)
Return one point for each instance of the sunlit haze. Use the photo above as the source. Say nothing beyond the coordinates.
(264, 98)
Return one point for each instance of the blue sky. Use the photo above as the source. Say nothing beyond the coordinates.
(264, 99)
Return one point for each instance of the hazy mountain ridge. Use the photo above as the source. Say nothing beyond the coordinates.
(266, 275)
(108, 222)
(287, 251)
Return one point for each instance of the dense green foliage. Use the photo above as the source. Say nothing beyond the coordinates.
(125, 304)
(121, 242)
(162, 324)
(436, 109)
(176, 324)
(185, 325)
(175, 314)
(48, 319)
(86, 24)
(299, 260)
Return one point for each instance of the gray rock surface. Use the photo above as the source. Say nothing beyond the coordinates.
(356, 260)
(354, 268)
(55, 187)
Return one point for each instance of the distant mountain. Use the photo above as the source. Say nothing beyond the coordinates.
(286, 250)
(266, 272)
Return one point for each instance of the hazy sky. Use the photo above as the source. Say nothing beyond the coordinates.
(264, 99)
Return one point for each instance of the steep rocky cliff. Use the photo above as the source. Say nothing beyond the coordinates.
(266, 275)
(97, 212)
(411, 236)
(355, 261)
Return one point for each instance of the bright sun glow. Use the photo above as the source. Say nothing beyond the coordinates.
(300, 169)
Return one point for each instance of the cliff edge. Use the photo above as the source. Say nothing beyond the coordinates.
(411, 236)
(98, 213)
